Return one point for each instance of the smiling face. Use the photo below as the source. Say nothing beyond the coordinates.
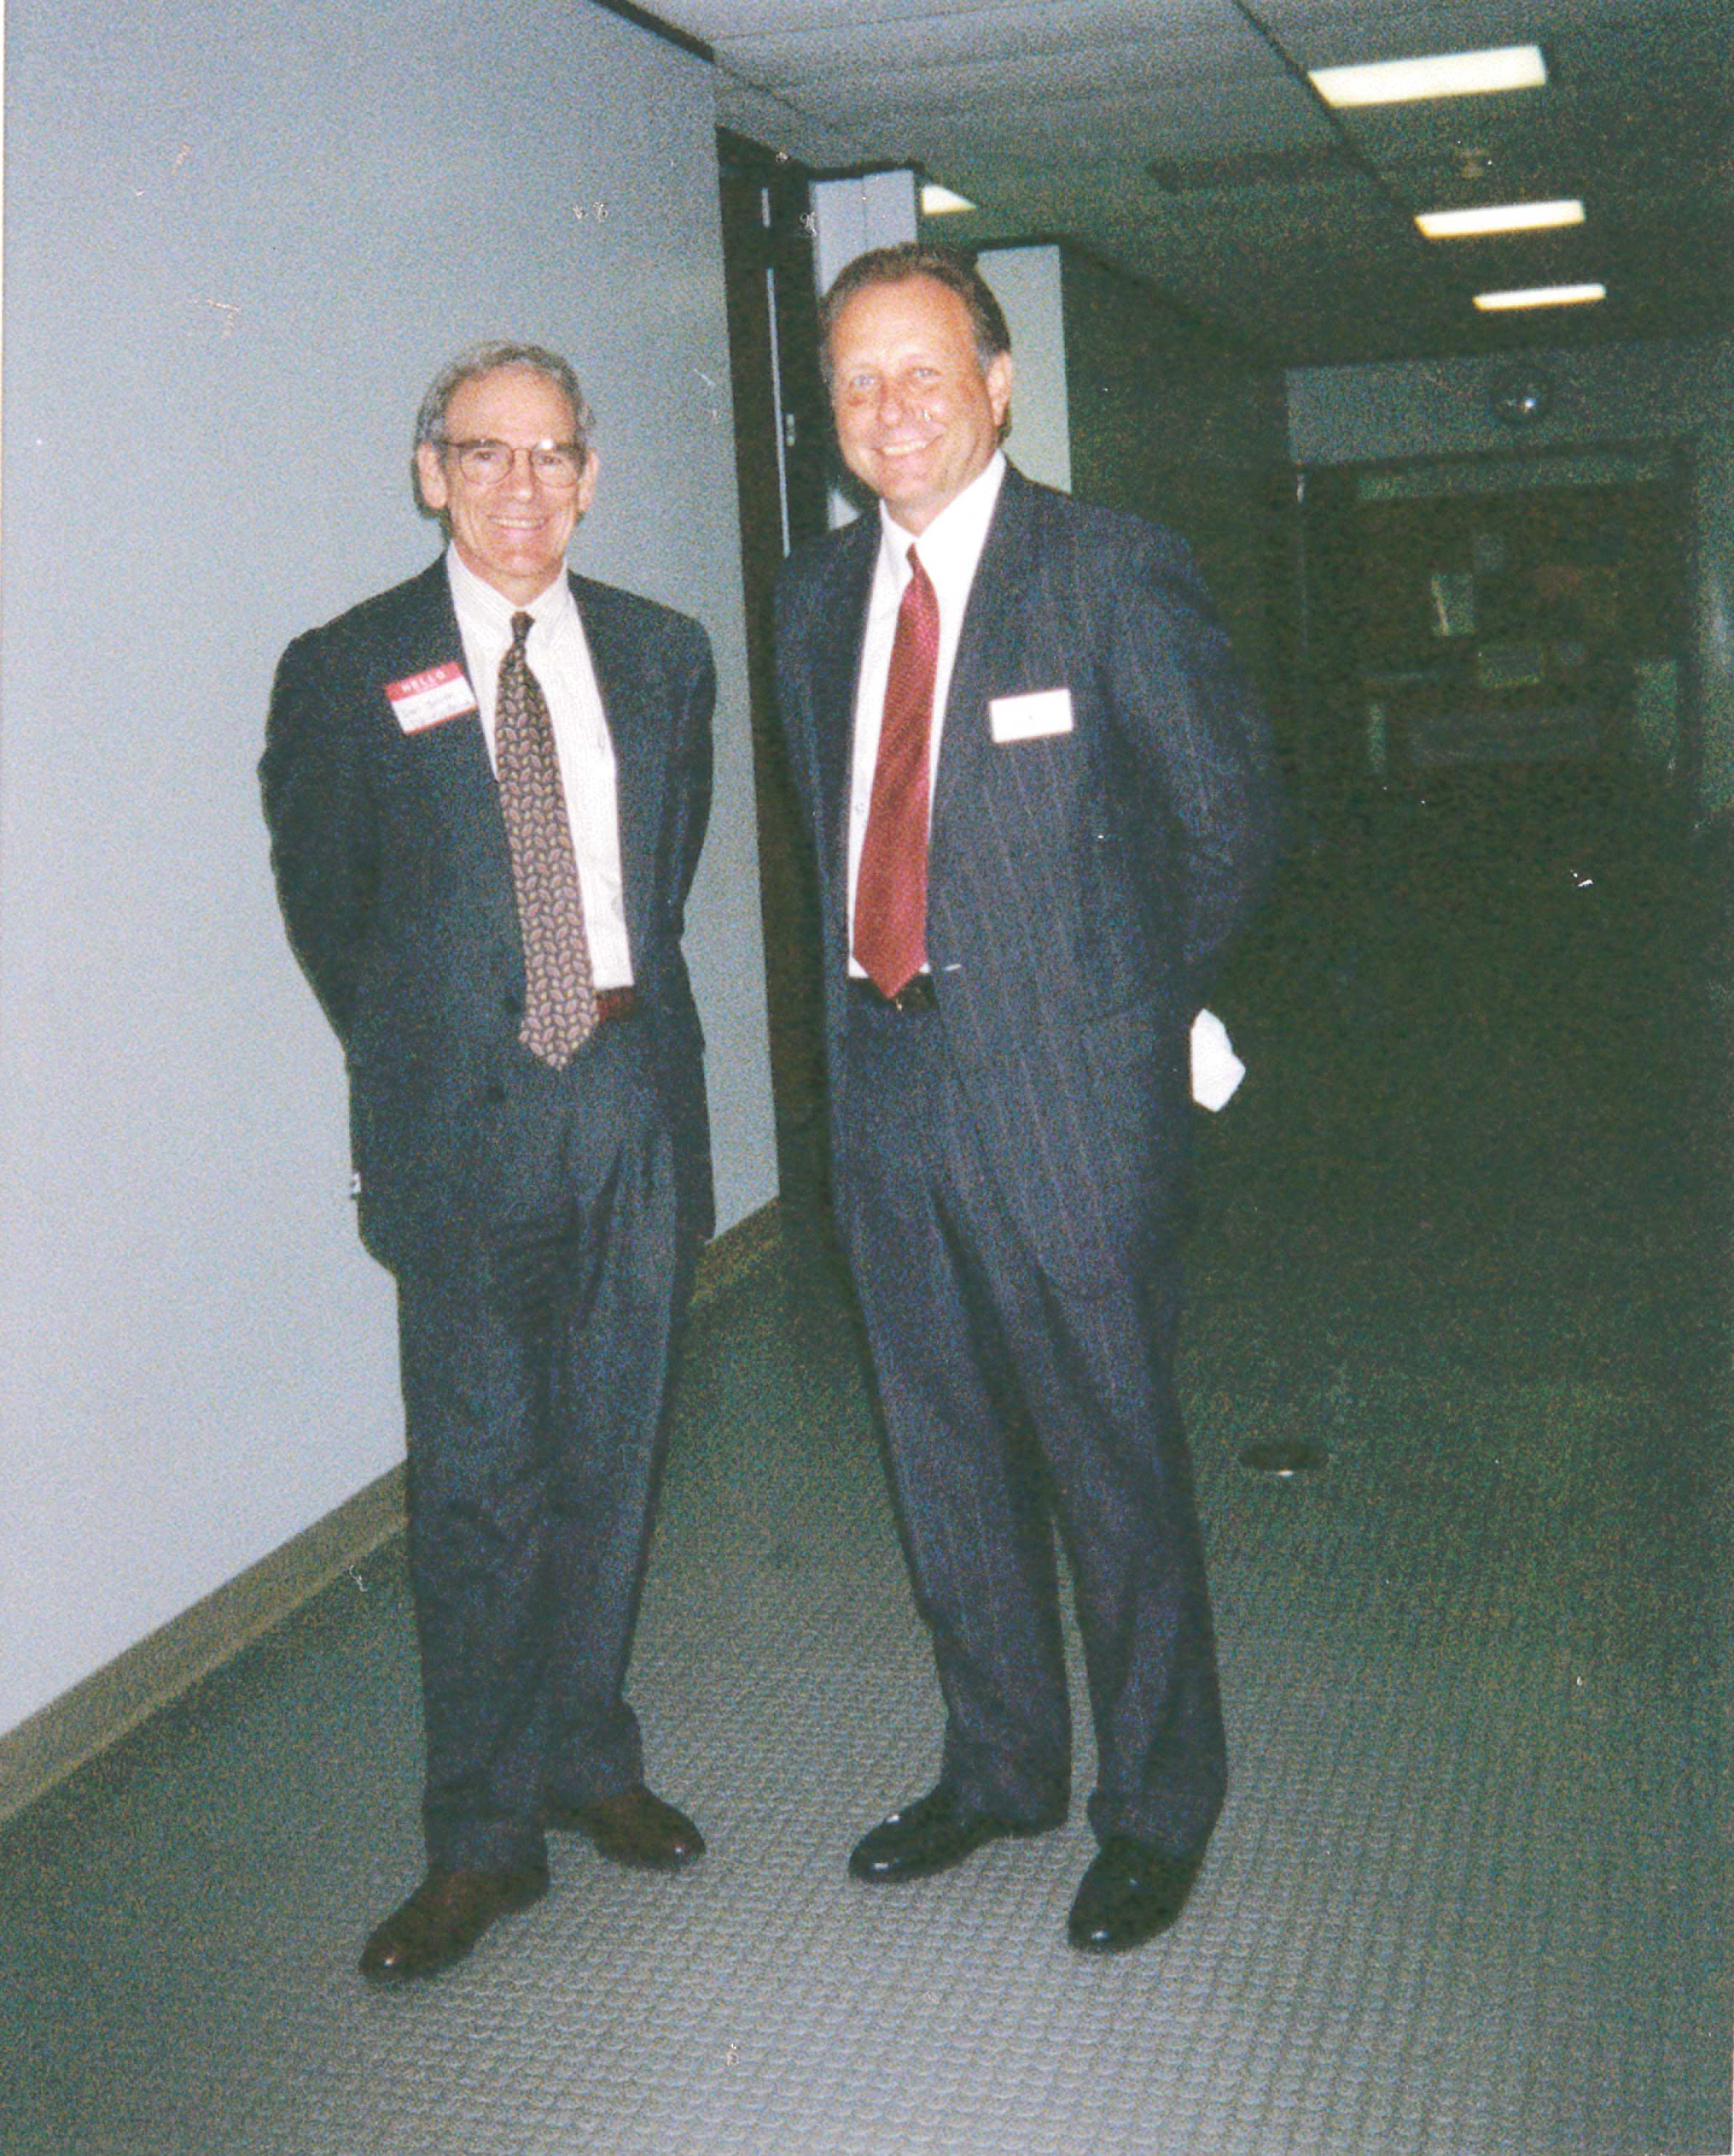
(917, 417)
(513, 535)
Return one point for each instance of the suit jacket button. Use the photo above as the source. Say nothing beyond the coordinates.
(513, 1006)
(493, 1093)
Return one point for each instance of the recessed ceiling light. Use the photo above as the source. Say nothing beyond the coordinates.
(1498, 217)
(1440, 75)
(1541, 295)
(940, 202)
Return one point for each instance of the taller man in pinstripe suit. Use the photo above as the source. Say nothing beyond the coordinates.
(1038, 788)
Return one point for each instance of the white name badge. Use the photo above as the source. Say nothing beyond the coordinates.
(1027, 718)
(426, 700)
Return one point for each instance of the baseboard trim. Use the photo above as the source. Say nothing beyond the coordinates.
(72, 1729)
(111, 1702)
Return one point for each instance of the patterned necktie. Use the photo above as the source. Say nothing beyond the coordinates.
(559, 994)
(891, 883)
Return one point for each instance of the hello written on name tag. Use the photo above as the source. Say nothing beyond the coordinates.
(1028, 718)
(428, 698)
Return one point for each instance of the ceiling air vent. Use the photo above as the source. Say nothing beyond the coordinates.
(1249, 168)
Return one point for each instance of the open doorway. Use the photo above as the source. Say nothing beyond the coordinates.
(1495, 614)
(781, 435)
(1498, 710)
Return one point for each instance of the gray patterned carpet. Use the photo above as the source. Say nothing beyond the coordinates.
(1471, 1893)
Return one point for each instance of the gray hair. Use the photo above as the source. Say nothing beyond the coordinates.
(490, 358)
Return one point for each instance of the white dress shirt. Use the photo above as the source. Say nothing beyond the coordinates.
(559, 657)
(949, 550)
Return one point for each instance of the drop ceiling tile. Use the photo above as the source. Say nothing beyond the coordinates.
(1050, 115)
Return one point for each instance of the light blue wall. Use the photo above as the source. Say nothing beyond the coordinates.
(1026, 282)
(239, 242)
(1679, 393)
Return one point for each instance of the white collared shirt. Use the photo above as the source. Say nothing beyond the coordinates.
(559, 657)
(949, 550)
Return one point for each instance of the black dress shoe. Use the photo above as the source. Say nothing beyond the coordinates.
(929, 1835)
(444, 1919)
(1130, 1893)
(633, 1826)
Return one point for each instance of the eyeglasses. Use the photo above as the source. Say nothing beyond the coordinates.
(559, 466)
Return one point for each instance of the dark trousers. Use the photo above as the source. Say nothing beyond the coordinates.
(538, 1352)
(1008, 1405)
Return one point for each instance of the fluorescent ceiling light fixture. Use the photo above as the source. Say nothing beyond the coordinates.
(1498, 217)
(940, 202)
(1541, 295)
(1441, 74)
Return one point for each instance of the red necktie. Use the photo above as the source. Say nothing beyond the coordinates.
(891, 883)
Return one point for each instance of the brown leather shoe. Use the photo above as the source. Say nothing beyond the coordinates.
(633, 1827)
(444, 1919)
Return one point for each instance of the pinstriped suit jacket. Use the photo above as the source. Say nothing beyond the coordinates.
(1082, 887)
(394, 876)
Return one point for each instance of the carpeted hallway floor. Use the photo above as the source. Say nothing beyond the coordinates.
(1463, 1235)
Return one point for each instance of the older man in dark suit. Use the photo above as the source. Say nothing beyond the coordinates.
(486, 792)
(1039, 796)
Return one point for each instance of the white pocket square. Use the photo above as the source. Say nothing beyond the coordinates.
(1217, 1069)
(1027, 718)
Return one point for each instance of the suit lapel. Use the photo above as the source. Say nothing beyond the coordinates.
(999, 594)
(450, 759)
(835, 677)
(639, 753)
(424, 635)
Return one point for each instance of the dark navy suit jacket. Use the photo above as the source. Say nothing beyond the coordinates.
(1082, 885)
(395, 879)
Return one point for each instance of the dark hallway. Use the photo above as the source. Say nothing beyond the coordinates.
(1463, 1235)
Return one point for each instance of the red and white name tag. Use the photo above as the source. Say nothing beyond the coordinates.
(426, 700)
